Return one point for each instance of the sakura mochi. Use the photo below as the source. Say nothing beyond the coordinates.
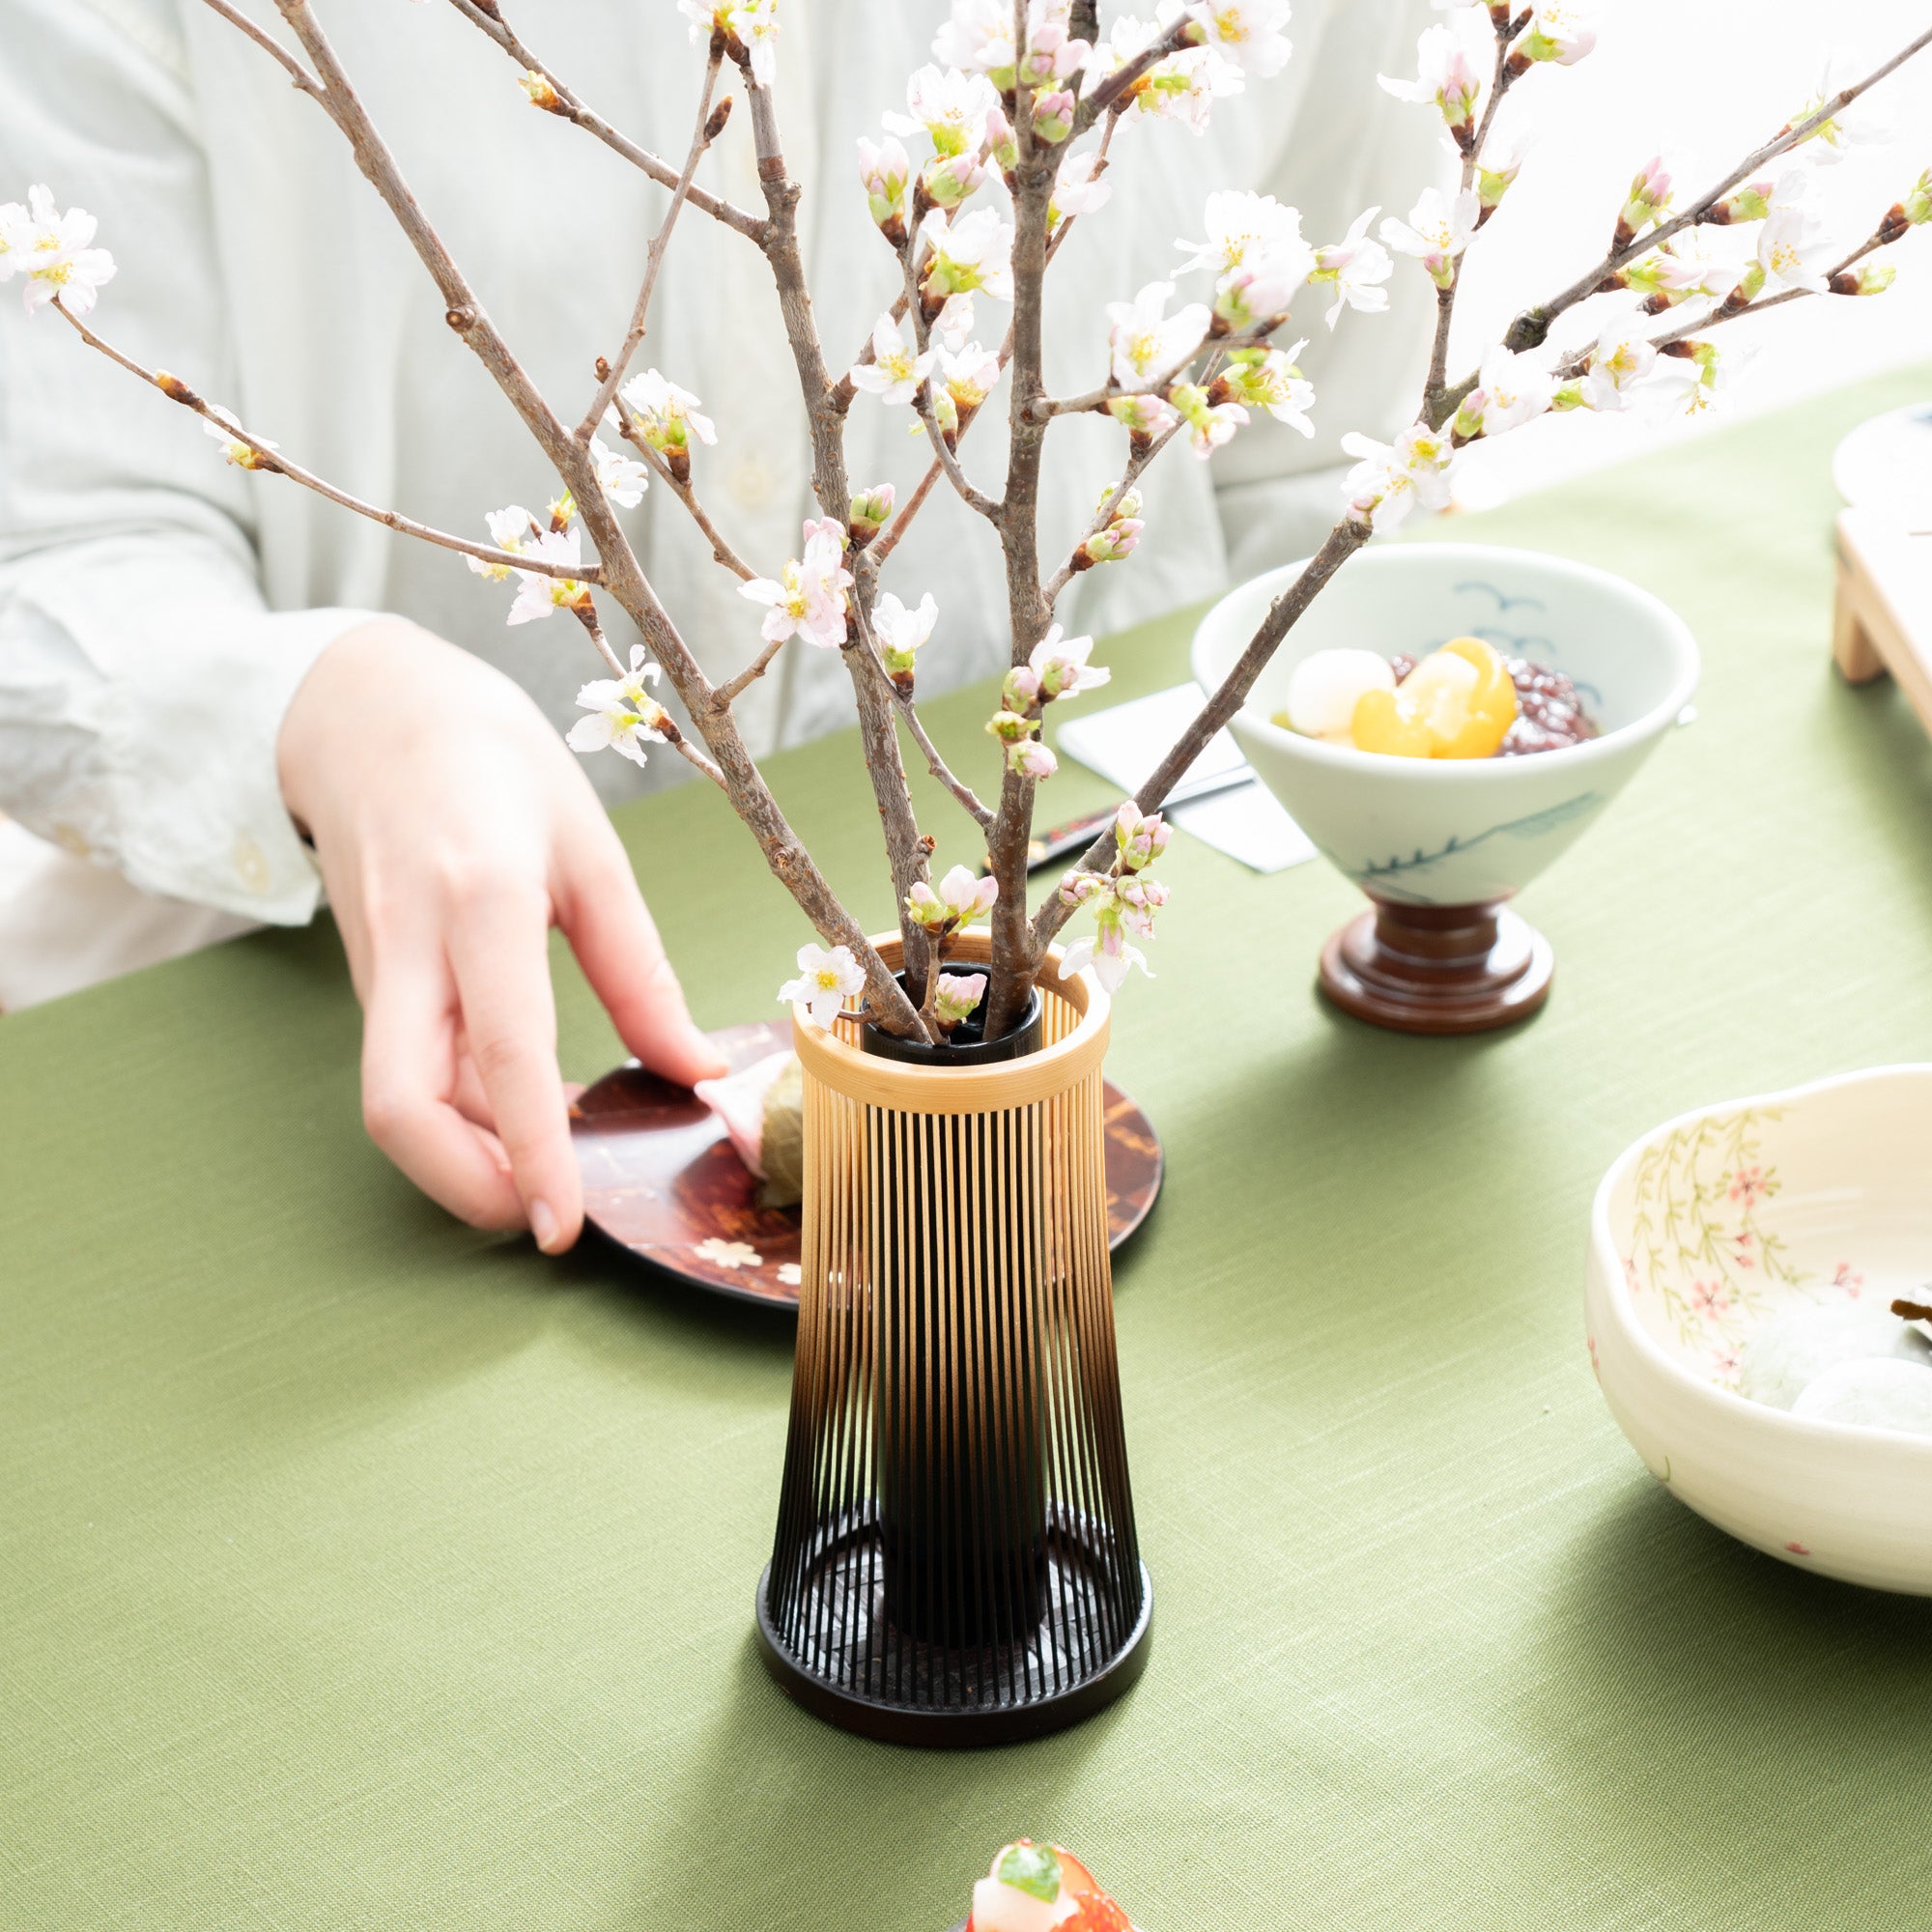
(1042, 1889)
(1788, 1352)
(1889, 1393)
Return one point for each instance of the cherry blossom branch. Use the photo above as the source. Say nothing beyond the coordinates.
(734, 688)
(1115, 92)
(1532, 326)
(274, 48)
(1501, 80)
(686, 495)
(905, 852)
(269, 458)
(981, 814)
(751, 797)
(1137, 465)
(568, 105)
(1029, 614)
(888, 539)
(943, 452)
(709, 128)
(1341, 544)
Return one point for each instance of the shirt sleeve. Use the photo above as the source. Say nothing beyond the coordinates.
(143, 679)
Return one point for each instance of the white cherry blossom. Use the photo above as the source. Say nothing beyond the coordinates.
(666, 416)
(1865, 121)
(952, 325)
(1248, 32)
(1452, 59)
(948, 104)
(1146, 346)
(622, 478)
(826, 980)
(51, 250)
(1438, 230)
(1079, 188)
(1794, 251)
(1391, 479)
(1623, 357)
(1061, 663)
(962, 898)
(978, 37)
(513, 530)
(901, 630)
(538, 596)
(1355, 267)
(1562, 31)
(970, 252)
(622, 713)
(897, 368)
(1185, 86)
(1256, 237)
(754, 22)
(810, 601)
(1510, 390)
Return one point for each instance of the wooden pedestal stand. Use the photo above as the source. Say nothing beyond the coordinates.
(1438, 969)
(1883, 617)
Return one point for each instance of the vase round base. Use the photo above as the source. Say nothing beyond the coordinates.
(1438, 969)
(861, 1673)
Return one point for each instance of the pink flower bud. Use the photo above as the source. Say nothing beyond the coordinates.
(1053, 115)
(1021, 691)
(954, 996)
(1032, 759)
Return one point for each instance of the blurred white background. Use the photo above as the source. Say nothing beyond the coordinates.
(1710, 79)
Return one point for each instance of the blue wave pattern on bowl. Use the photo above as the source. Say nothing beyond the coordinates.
(1384, 879)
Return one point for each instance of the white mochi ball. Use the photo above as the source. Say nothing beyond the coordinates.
(1885, 1394)
(1322, 690)
(1786, 1353)
(1004, 1908)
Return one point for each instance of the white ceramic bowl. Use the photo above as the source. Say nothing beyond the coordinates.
(1715, 1221)
(1457, 831)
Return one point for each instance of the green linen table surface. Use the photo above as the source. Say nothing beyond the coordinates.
(357, 1571)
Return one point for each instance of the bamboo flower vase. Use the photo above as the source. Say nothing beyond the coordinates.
(956, 1561)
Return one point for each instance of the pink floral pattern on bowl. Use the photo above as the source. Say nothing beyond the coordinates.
(1709, 1255)
(1713, 1223)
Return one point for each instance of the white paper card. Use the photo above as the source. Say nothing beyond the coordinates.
(1125, 742)
(1248, 823)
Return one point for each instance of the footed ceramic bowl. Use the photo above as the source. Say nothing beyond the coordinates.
(1445, 832)
(1712, 1223)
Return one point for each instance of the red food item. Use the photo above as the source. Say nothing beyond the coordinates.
(1096, 1913)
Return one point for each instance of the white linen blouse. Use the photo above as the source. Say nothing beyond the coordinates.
(159, 608)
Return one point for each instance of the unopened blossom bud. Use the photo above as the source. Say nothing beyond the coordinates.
(1052, 54)
(949, 179)
(1138, 900)
(1141, 840)
(1002, 149)
(924, 905)
(955, 996)
(1020, 692)
(1494, 179)
(1570, 396)
(1917, 207)
(1750, 285)
(884, 168)
(1146, 415)
(1561, 31)
(1467, 424)
(1053, 115)
(870, 510)
(1010, 727)
(1648, 199)
(561, 510)
(946, 413)
(1750, 203)
(1869, 278)
(1031, 759)
(1081, 888)
(1111, 545)
(1129, 504)
(541, 93)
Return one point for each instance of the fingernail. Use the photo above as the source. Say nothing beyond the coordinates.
(543, 1225)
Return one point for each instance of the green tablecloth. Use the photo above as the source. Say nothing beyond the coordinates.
(357, 1571)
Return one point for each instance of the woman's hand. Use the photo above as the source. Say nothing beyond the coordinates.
(454, 828)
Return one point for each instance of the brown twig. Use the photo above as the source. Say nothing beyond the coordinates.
(701, 139)
(687, 494)
(570, 107)
(734, 688)
(272, 459)
(1532, 326)
(1341, 544)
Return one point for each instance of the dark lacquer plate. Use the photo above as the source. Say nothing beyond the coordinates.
(660, 1179)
